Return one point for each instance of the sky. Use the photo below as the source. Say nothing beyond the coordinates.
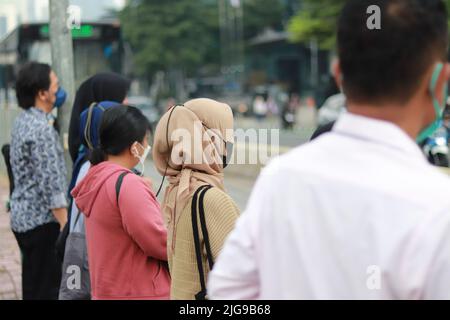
(94, 9)
(13, 12)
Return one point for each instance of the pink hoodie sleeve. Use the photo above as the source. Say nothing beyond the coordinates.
(142, 218)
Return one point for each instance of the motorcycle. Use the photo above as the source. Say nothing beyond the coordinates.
(436, 148)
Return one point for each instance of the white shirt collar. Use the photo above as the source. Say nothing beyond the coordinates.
(377, 131)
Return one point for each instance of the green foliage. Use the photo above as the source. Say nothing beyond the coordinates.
(260, 14)
(170, 34)
(185, 34)
(317, 19)
(448, 9)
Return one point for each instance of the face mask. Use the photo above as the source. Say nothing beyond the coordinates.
(61, 96)
(226, 158)
(438, 108)
(143, 157)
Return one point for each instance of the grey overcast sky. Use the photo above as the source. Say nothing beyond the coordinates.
(94, 9)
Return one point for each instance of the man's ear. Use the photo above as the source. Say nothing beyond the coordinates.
(337, 73)
(447, 69)
(446, 73)
(134, 150)
(41, 95)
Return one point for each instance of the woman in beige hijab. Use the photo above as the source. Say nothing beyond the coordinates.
(190, 149)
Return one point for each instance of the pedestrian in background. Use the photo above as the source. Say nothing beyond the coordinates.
(213, 123)
(125, 232)
(260, 108)
(38, 202)
(289, 112)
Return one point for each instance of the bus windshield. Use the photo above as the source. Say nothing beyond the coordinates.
(90, 57)
(97, 47)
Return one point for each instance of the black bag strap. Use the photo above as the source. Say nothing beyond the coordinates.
(200, 192)
(6, 156)
(205, 234)
(77, 217)
(119, 185)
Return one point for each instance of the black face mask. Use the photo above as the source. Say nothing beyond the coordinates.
(226, 158)
(229, 149)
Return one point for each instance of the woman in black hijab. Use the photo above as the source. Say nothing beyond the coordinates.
(98, 88)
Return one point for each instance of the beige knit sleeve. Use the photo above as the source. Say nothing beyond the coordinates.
(221, 214)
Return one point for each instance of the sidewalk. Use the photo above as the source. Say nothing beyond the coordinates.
(10, 265)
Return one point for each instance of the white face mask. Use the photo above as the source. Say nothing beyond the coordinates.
(143, 157)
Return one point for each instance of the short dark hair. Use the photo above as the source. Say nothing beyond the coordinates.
(32, 78)
(120, 127)
(388, 64)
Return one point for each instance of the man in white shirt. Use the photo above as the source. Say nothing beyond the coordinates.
(358, 213)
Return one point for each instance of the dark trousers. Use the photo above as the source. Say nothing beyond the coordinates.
(41, 271)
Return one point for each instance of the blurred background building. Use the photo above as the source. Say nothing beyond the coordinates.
(183, 48)
(15, 12)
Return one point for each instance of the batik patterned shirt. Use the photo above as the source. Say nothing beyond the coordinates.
(37, 162)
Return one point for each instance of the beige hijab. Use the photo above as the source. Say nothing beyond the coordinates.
(192, 154)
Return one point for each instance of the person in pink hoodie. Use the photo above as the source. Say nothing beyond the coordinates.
(126, 236)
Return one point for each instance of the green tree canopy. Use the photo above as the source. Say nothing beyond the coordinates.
(316, 19)
(448, 9)
(185, 34)
(260, 14)
(170, 34)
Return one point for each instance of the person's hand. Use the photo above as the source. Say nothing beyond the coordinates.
(61, 227)
(61, 216)
(148, 182)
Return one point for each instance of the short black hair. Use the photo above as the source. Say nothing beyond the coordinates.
(120, 127)
(388, 64)
(32, 78)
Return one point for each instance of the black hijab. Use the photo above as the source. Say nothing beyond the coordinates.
(98, 88)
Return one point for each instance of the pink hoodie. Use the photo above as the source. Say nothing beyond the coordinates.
(127, 247)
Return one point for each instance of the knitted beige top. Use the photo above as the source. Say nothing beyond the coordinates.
(220, 214)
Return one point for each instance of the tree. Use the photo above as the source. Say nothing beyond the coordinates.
(170, 34)
(260, 14)
(448, 9)
(316, 19)
(185, 34)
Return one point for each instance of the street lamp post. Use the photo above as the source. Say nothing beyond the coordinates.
(232, 40)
